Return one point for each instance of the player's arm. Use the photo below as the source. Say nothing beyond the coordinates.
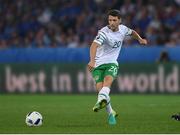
(136, 36)
(98, 41)
(93, 50)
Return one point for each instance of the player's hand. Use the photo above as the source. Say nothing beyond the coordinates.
(91, 65)
(143, 41)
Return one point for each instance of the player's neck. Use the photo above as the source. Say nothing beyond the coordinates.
(117, 29)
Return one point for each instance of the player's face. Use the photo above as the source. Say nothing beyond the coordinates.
(113, 22)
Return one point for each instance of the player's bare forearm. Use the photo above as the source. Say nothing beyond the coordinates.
(93, 49)
(136, 36)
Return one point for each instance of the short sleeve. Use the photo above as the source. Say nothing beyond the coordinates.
(100, 38)
(128, 31)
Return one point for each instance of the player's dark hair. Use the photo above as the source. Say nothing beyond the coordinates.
(114, 12)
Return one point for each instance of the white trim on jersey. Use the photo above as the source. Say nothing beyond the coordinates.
(129, 31)
(100, 38)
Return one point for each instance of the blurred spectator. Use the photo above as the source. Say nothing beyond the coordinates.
(164, 57)
(74, 23)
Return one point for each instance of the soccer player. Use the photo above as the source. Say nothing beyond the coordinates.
(103, 63)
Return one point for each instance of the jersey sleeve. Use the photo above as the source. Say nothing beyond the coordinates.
(100, 38)
(128, 31)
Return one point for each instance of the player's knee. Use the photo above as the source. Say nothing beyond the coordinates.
(108, 81)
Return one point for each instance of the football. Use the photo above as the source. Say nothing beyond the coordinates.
(34, 119)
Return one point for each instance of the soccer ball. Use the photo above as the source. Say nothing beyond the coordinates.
(34, 119)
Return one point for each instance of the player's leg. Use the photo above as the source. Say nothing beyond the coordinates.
(104, 92)
(108, 80)
(106, 74)
(110, 75)
(102, 85)
(111, 113)
(99, 86)
(97, 106)
(97, 74)
(102, 98)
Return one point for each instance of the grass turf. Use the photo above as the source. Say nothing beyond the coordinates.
(73, 114)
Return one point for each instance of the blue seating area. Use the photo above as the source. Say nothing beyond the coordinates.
(75, 23)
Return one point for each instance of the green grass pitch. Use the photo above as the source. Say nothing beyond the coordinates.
(73, 114)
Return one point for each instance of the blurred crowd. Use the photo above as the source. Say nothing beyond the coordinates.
(74, 23)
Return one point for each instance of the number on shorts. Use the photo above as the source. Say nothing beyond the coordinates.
(113, 69)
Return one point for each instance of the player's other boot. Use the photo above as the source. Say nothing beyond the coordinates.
(99, 105)
(112, 118)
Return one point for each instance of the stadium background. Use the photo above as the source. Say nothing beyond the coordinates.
(44, 49)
